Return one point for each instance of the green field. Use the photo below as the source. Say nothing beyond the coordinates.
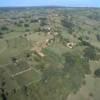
(49, 54)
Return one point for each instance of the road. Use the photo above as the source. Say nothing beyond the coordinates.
(21, 72)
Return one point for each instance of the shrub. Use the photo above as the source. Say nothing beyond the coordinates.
(97, 72)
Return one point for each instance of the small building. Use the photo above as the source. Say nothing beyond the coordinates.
(40, 54)
(70, 45)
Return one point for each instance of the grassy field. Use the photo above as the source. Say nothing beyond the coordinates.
(49, 54)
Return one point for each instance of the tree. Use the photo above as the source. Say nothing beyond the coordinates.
(34, 20)
(83, 42)
(1, 35)
(21, 21)
(97, 72)
(68, 24)
(98, 37)
(3, 96)
(43, 23)
(4, 28)
(90, 53)
(27, 30)
(25, 89)
(28, 55)
(14, 90)
(74, 61)
(26, 25)
(7, 42)
(14, 59)
(18, 24)
(91, 94)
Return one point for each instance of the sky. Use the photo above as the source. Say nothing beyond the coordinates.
(67, 3)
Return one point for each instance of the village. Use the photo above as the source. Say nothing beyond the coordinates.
(49, 39)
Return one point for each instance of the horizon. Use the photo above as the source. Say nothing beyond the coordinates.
(56, 3)
(46, 6)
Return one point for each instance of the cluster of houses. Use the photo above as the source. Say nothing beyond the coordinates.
(50, 37)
